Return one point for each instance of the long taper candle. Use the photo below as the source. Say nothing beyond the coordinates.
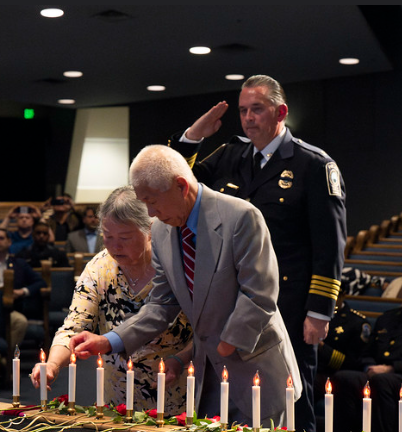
(100, 383)
(160, 403)
(224, 396)
(190, 391)
(329, 407)
(43, 378)
(72, 374)
(130, 386)
(290, 404)
(256, 401)
(366, 408)
(16, 372)
(400, 410)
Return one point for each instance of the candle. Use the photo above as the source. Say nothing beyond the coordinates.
(130, 385)
(224, 395)
(100, 382)
(190, 390)
(256, 401)
(329, 407)
(400, 410)
(290, 404)
(16, 371)
(43, 376)
(366, 408)
(72, 373)
(160, 403)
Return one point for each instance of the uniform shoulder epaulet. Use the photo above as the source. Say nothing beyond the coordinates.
(310, 147)
(358, 313)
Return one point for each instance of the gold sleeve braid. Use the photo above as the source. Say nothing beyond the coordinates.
(337, 359)
(326, 287)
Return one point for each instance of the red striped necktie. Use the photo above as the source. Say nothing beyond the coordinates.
(188, 256)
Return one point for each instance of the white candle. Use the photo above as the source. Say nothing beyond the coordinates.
(16, 372)
(400, 410)
(160, 402)
(367, 409)
(256, 402)
(224, 395)
(329, 407)
(190, 390)
(100, 383)
(43, 376)
(290, 404)
(72, 374)
(130, 386)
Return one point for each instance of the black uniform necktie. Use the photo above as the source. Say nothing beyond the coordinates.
(257, 163)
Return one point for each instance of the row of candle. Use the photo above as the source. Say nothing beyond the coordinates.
(224, 406)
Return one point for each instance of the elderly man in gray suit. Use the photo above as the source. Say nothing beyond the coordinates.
(230, 300)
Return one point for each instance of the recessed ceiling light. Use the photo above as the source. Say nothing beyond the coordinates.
(200, 50)
(349, 61)
(156, 88)
(72, 74)
(66, 101)
(52, 13)
(234, 77)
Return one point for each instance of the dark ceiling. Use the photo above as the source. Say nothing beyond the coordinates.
(123, 49)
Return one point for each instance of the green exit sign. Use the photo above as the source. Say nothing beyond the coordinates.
(29, 113)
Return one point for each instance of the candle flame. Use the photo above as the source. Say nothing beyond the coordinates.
(42, 356)
(366, 390)
(191, 369)
(161, 366)
(100, 361)
(256, 379)
(17, 352)
(289, 381)
(73, 358)
(400, 393)
(328, 387)
(225, 374)
(130, 364)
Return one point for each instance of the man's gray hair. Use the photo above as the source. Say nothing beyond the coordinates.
(156, 166)
(123, 207)
(276, 93)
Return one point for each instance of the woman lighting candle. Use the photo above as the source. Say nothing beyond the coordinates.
(329, 407)
(190, 391)
(130, 386)
(366, 408)
(290, 404)
(224, 396)
(256, 401)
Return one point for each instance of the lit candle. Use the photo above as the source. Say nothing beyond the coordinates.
(329, 407)
(366, 408)
(72, 373)
(16, 371)
(43, 377)
(130, 386)
(290, 404)
(160, 403)
(190, 390)
(256, 401)
(224, 395)
(100, 382)
(400, 410)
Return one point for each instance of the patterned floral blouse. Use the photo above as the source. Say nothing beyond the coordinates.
(101, 301)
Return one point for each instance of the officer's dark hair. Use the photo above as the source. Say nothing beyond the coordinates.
(276, 93)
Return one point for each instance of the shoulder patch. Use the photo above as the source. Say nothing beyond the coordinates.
(366, 332)
(333, 179)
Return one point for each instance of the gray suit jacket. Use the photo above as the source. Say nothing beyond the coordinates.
(235, 293)
(77, 242)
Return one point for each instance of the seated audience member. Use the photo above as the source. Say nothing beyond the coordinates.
(25, 217)
(348, 335)
(27, 285)
(41, 249)
(116, 284)
(64, 218)
(382, 367)
(87, 239)
(356, 282)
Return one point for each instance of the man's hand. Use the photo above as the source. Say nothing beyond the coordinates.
(379, 369)
(207, 124)
(224, 349)
(315, 330)
(86, 344)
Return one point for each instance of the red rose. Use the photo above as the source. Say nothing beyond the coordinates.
(121, 409)
(152, 413)
(181, 419)
(63, 398)
(215, 419)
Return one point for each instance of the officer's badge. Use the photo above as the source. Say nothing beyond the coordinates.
(339, 330)
(285, 182)
(333, 179)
